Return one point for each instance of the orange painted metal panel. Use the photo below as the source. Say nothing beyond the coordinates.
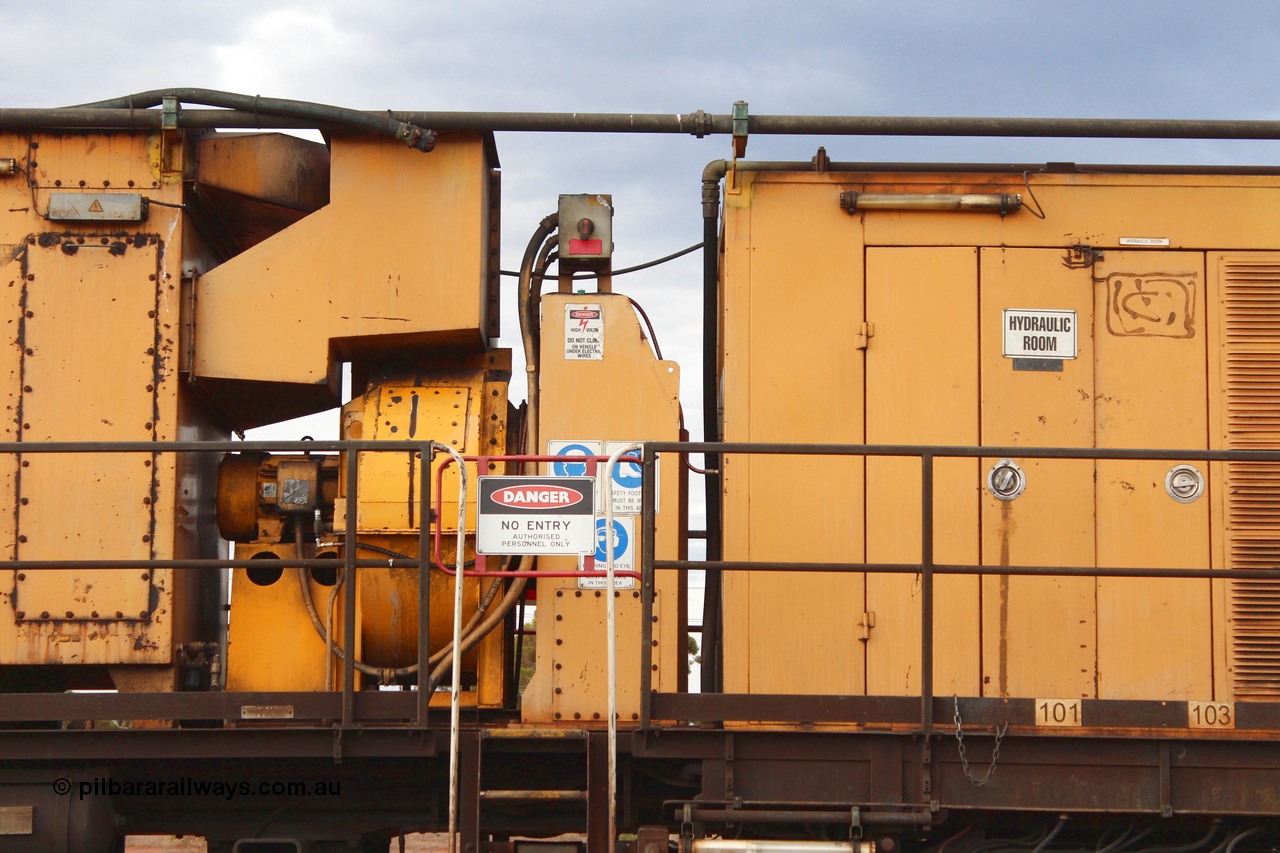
(1149, 391)
(922, 388)
(792, 310)
(1039, 633)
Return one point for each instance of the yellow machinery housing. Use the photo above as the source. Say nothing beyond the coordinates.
(898, 332)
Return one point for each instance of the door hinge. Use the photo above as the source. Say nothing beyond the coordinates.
(865, 334)
(864, 627)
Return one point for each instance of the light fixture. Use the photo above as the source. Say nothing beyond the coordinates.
(1001, 203)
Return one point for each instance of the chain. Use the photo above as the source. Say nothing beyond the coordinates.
(964, 759)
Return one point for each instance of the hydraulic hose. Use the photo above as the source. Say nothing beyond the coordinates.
(527, 333)
(712, 679)
(1189, 848)
(514, 593)
(408, 133)
(385, 675)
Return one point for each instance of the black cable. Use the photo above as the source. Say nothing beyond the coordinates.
(1188, 848)
(410, 134)
(695, 247)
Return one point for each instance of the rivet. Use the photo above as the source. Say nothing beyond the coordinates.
(70, 615)
(151, 277)
(105, 240)
(559, 593)
(151, 314)
(558, 666)
(559, 642)
(24, 501)
(26, 388)
(26, 463)
(22, 576)
(577, 593)
(559, 617)
(151, 350)
(146, 501)
(30, 314)
(635, 594)
(26, 426)
(635, 716)
(21, 614)
(654, 667)
(44, 614)
(654, 643)
(595, 716)
(653, 618)
(558, 691)
(557, 715)
(148, 425)
(94, 615)
(577, 716)
(146, 613)
(22, 539)
(146, 537)
(119, 615)
(598, 593)
(29, 351)
(146, 576)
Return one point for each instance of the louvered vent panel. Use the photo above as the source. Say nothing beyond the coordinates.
(1252, 313)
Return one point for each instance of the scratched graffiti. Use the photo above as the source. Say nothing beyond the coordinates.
(1151, 304)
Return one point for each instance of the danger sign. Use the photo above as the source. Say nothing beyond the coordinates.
(536, 515)
(584, 332)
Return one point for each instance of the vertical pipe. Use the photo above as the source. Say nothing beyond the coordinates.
(349, 594)
(649, 525)
(926, 594)
(712, 680)
(612, 639)
(455, 694)
(424, 584)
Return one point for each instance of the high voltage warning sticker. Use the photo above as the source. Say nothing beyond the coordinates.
(584, 332)
(536, 515)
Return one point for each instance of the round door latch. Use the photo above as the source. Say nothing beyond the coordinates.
(1006, 480)
(1184, 483)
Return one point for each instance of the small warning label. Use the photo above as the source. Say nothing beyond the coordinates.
(584, 332)
(96, 207)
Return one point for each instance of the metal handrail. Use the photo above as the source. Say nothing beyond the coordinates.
(927, 568)
(348, 562)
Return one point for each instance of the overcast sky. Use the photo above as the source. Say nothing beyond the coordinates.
(1078, 59)
(1085, 58)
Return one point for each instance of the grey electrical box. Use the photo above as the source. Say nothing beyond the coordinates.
(96, 207)
(586, 227)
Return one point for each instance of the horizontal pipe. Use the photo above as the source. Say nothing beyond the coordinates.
(909, 568)
(797, 816)
(698, 124)
(957, 451)
(949, 451)
(531, 796)
(753, 845)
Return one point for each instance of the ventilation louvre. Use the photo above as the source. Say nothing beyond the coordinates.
(1251, 310)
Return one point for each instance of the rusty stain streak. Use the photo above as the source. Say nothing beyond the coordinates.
(401, 319)
(1006, 528)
